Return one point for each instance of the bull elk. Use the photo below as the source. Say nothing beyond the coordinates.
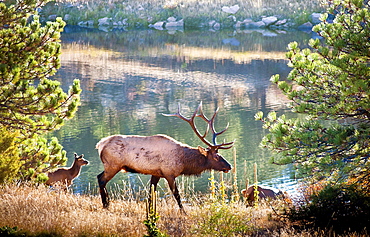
(161, 156)
(67, 175)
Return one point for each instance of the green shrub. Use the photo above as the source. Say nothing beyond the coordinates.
(9, 158)
(220, 220)
(340, 207)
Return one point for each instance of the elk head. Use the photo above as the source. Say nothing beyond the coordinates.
(211, 152)
(79, 160)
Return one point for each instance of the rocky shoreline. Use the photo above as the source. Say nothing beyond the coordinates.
(272, 22)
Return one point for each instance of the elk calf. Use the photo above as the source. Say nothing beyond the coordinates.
(160, 156)
(66, 175)
(263, 192)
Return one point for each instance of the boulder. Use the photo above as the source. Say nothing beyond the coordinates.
(158, 25)
(217, 26)
(248, 20)
(211, 23)
(52, 17)
(104, 21)
(269, 20)
(66, 17)
(238, 24)
(86, 23)
(171, 19)
(172, 24)
(305, 27)
(232, 10)
(258, 24)
(315, 18)
(281, 22)
(82, 23)
(90, 22)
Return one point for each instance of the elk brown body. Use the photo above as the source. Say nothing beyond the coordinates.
(67, 175)
(159, 156)
(263, 192)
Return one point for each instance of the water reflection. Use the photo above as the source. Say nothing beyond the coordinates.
(130, 78)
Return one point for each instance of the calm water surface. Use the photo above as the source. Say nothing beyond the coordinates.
(130, 78)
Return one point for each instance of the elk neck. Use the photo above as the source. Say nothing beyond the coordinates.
(75, 169)
(195, 163)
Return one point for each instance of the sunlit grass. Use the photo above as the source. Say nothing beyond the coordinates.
(37, 210)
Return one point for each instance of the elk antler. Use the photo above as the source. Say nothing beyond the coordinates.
(210, 124)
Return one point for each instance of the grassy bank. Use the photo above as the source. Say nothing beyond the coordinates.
(28, 210)
(195, 13)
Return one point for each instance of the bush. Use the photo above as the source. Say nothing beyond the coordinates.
(9, 159)
(340, 207)
(220, 220)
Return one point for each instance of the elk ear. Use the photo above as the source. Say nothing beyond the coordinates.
(202, 151)
(76, 156)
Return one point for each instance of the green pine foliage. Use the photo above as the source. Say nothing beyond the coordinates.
(31, 104)
(9, 157)
(330, 86)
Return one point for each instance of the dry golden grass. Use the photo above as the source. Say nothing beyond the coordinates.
(37, 210)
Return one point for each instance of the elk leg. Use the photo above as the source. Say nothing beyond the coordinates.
(153, 182)
(172, 183)
(103, 179)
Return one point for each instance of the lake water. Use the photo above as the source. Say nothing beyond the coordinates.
(130, 78)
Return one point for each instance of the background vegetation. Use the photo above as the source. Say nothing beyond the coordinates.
(195, 13)
(329, 84)
(30, 104)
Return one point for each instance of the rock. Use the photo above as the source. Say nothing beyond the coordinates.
(315, 18)
(66, 17)
(232, 10)
(86, 23)
(258, 24)
(232, 18)
(82, 23)
(90, 23)
(171, 19)
(238, 24)
(269, 20)
(52, 17)
(305, 27)
(217, 26)
(173, 24)
(281, 22)
(158, 24)
(104, 21)
(248, 20)
(211, 23)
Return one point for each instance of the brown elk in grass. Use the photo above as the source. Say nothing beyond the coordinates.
(66, 175)
(263, 192)
(161, 156)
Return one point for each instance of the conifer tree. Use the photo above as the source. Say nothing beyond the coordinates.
(31, 104)
(329, 87)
